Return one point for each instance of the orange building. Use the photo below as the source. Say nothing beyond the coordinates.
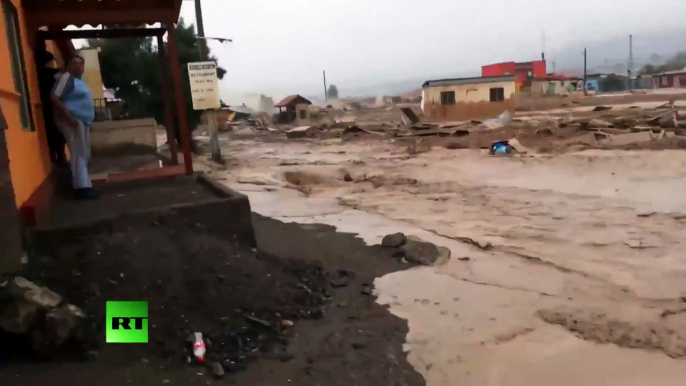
(25, 168)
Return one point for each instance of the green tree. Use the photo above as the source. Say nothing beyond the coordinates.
(612, 82)
(332, 92)
(678, 62)
(131, 68)
(648, 69)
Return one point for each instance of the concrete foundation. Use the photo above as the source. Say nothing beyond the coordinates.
(131, 136)
(194, 199)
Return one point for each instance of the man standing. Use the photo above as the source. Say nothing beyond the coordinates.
(74, 113)
(46, 82)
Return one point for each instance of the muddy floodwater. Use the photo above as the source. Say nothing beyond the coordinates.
(573, 273)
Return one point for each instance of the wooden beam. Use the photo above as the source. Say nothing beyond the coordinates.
(45, 16)
(100, 33)
(168, 101)
(180, 102)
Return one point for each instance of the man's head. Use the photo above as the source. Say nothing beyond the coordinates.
(76, 65)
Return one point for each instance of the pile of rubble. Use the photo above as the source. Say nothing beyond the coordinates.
(40, 314)
(618, 131)
(601, 128)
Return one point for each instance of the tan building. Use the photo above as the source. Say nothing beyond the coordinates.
(468, 98)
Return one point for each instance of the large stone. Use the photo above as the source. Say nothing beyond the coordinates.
(22, 302)
(217, 369)
(420, 252)
(60, 325)
(394, 240)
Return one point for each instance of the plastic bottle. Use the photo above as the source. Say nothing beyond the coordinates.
(199, 349)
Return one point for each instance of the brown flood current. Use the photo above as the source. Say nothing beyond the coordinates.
(583, 285)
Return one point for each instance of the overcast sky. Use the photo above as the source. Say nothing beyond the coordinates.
(281, 47)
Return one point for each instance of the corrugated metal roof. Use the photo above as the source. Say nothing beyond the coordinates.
(292, 100)
(475, 80)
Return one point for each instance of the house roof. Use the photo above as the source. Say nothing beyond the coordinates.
(557, 77)
(292, 100)
(676, 72)
(603, 75)
(475, 80)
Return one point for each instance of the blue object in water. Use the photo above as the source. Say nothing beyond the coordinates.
(501, 147)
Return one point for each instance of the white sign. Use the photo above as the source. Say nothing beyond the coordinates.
(204, 85)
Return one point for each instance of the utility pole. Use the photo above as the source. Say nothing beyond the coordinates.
(631, 59)
(215, 149)
(585, 88)
(326, 93)
(201, 30)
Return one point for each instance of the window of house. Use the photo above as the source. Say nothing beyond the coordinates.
(303, 114)
(10, 16)
(497, 94)
(447, 97)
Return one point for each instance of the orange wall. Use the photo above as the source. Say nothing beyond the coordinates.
(29, 162)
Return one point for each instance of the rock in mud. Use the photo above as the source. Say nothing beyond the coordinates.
(599, 123)
(347, 177)
(258, 179)
(341, 278)
(443, 255)
(217, 370)
(394, 240)
(421, 252)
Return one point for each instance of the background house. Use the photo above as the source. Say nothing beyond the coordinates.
(522, 71)
(294, 108)
(468, 98)
(675, 79)
(551, 86)
(606, 82)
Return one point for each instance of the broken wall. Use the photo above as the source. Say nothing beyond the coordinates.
(541, 88)
(472, 101)
(302, 114)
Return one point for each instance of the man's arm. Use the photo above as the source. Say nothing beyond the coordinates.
(63, 87)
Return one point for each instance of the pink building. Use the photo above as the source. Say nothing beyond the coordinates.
(670, 79)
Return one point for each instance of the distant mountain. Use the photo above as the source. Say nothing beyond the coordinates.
(607, 55)
(611, 55)
(400, 87)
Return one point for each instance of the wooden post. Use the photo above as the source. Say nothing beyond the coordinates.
(215, 150)
(180, 102)
(168, 102)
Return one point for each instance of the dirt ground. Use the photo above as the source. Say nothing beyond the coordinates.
(581, 285)
(298, 311)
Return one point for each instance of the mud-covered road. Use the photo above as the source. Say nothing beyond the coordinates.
(582, 284)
